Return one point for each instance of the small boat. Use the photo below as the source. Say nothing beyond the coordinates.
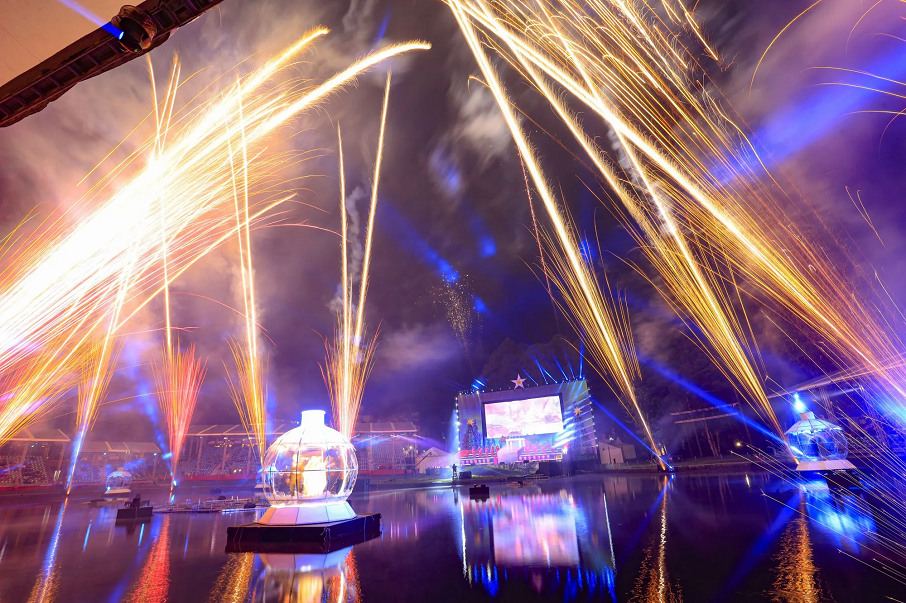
(479, 491)
(136, 509)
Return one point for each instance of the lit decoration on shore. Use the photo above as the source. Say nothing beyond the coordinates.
(92, 268)
(351, 355)
(817, 444)
(118, 482)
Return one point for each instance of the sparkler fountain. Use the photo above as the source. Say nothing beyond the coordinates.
(310, 471)
(78, 276)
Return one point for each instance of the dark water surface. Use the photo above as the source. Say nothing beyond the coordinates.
(611, 538)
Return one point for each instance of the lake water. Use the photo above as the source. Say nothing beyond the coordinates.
(611, 538)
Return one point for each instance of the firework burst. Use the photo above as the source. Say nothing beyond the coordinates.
(93, 267)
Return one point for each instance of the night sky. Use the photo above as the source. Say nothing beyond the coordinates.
(454, 233)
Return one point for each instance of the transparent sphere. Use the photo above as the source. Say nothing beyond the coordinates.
(814, 439)
(118, 479)
(311, 464)
(821, 445)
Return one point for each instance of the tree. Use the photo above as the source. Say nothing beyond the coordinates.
(471, 438)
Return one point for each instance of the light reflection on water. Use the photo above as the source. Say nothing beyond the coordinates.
(797, 576)
(307, 578)
(618, 538)
(545, 538)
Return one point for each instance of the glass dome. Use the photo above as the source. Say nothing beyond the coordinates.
(812, 439)
(119, 479)
(311, 464)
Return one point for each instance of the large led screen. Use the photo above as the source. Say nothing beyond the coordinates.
(532, 416)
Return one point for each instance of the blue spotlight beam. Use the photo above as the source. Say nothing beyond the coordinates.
(813, 117)
(81, 10)
(630, 432)
(709, 398)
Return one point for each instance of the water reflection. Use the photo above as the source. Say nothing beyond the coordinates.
(797, 575)
(843, 513)
(719, 538)
(307, 578)
(550, 541)
(46, 586)
(234, 581)
(153, 582)
(653, 582)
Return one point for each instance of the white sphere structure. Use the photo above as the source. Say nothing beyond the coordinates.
(817, 445)
(118, 481)
(309, 472)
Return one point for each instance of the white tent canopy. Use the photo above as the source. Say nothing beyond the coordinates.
(434, 458)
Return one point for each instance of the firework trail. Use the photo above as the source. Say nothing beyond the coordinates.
(100, 359)
(249, 392)
(178, 374)
(696, 190)
(63, 283)
(609, 339)
(710, 218)
(350, 357)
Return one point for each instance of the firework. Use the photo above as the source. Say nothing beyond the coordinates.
(696, 191)
(100, 359)
(350, 356)
(178, 375)
(605, 324)
(249, 393)
(65, 281)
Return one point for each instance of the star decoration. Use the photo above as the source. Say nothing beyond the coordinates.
(518, 381)
(470, 422)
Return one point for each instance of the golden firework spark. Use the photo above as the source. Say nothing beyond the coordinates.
(65, 282)
(605, 324)
(350, 356)
(697, 193)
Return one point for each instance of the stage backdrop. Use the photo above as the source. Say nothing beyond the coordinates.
(525, 424)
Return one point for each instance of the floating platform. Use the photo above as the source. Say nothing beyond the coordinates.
(480, 491)
(134, 513)
(303, 538)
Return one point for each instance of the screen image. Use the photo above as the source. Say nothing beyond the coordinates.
(526, 537)
(532, 416)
